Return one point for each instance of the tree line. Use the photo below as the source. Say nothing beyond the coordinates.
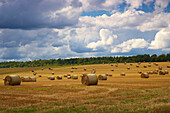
(86, 61)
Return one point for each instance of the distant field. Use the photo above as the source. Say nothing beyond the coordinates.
(121, 94)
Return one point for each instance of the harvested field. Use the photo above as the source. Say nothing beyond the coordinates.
(129, 93)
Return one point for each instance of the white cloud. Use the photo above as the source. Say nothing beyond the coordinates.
(162, 40)
(134, 3)
(129, 45)
(106, 39)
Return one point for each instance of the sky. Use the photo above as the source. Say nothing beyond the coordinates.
(52, 29)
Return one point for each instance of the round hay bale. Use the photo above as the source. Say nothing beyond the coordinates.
(137, 65)
(102, 77)
(145, 66)
(128, 68)
(85, 69)
(111, 65)
(74, 77)
(65, 75)
(52, 78)
(144, 75)
(25, 79)
(122, 74)
(168, 66)
(59, 77)
(75, 68)
(89, 79)
(156, 64)
(124, 63)
(39, 75)
(110, 75)
(68, 74)
(72, 68)
(34, 73)
(107, 74)
(112, 70)
(131, 64)
(52, 73)
(93, 71)
(49, 77)
(68, 77)
(155, 72)
(42, 69)
(161, 72)
(71, 71)
(166, 72)
(160, 68)
(12, 80)
(116, 65)
(139, 72)
(149, 65)
(33, 79)
(151, 72)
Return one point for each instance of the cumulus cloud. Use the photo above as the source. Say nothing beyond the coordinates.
(162, 40)
(31, 14)
(129, 45)
(107, 39)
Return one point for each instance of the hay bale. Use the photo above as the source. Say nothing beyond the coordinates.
(160, 67)
(128, 68)
(116, 65)
(75, 68)
(151, 72)
(12, 80)
(25, 79)
(149, 65)
(112, 70)
(122, 74)
(155, 64)
(74, 77)
(144, 75)
(39, 75)
(33, 79)
(52, 78)
(110, 75)
(161, 72)
(68, 74)
(89, 79)
(71, 71)
(102, 77)
(68, 77)
(137, 65)
(111, 65)
(93, 71)
(155, 72)
(42, 69)
(166, 72)
(139, 72)
(50, 69)
(52, 73)
(145, 66)
(59, 77)
(124, 63)
(131, 64)
(85, 69)
(168, 66)
(65, 75)
(34, 73)
(49, 77)
(72, 68)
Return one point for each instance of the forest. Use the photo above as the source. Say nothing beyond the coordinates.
(86, 61)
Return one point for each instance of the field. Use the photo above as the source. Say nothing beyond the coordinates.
(121, 94)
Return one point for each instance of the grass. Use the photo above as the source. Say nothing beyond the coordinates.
(75, 87)
(129, 94)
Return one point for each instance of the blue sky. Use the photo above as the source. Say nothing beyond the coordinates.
(51, 29)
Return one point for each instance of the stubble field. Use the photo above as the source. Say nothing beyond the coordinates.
(129, 93)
